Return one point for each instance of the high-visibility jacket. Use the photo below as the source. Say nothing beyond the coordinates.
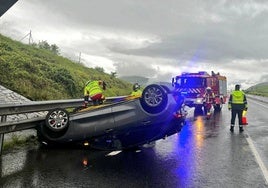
(93, 88)
(237, 100)
(137, 93)
(209, 97)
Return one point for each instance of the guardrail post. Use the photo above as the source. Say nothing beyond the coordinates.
(3, 119)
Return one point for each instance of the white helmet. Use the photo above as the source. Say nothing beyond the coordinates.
(136, 86)
(208, 89)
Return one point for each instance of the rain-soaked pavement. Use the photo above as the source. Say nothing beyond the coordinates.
(203, 154)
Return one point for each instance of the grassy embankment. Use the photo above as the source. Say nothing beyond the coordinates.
(40, 74)
(259, 89)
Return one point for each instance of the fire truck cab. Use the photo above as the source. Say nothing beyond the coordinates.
(193, 87)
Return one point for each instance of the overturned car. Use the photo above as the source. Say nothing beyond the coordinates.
(122, 124)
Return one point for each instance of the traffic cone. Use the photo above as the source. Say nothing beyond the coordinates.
(244, 118)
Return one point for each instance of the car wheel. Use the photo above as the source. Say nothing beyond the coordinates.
(154, 99)
(57, 120)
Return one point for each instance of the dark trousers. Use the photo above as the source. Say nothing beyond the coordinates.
(239, 114)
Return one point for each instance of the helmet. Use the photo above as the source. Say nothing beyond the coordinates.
(136, 86)
(208, 89)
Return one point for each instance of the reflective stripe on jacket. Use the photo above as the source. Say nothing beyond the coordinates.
(92, 88)
(209, 97)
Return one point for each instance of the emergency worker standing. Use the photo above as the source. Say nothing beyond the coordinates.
(237, 103)
(94, 91)
(209, 99)
(136, 91)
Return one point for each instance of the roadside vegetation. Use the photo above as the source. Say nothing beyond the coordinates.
(259, 89)
(17, 141)
(38, 72)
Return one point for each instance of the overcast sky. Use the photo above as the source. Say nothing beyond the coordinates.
(157, 39)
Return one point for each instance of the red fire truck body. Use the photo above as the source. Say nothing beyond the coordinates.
(193, 87)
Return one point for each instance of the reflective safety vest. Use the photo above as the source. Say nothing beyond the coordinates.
(137, 93)
(92, 88)
(209, 97)
(237, 98)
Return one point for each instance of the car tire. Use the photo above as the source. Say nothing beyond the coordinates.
(154, 99)
(57, 120)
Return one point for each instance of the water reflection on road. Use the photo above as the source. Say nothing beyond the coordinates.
(183, 160)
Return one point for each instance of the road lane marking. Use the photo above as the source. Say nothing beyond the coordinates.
(261, 104)
(113, 153)
(257, 157)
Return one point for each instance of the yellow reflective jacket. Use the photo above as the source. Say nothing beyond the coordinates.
(237, 100)
(137, 93)
(92, 88)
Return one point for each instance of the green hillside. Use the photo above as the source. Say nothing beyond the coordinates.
(259, 89)
(39, 74)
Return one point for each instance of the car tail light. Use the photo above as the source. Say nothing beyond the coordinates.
(177, 115)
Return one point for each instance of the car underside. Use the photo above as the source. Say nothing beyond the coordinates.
(123, 124)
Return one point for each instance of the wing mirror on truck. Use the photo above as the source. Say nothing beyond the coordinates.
(173, 81)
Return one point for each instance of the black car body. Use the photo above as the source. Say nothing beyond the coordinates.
(123, 124)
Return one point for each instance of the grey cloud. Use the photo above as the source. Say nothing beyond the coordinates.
(264, 78)
(229, 37)
(137, 68)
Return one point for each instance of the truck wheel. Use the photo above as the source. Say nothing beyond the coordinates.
(154, 99)
(57, 120)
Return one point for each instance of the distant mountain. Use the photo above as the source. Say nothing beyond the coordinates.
(135, 79)
(258, 89)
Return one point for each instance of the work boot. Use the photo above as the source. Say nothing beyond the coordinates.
(232, 128)
(241, 129)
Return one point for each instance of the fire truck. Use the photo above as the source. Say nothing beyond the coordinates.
(193, 87)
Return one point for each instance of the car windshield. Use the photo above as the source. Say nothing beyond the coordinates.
(190, 82)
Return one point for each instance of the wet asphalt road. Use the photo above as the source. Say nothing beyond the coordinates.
(203, 154)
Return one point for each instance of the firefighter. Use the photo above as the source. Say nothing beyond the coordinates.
(237, 103)
(209, 99)
(136, 90)
(94, 91)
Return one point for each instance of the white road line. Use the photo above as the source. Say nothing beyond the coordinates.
(261, 104)
(113, 153)
(257, 157)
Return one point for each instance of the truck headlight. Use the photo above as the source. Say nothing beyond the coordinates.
(199, 101)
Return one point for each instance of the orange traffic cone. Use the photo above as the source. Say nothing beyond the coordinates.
(244, 118)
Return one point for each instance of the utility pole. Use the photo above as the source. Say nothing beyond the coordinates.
(30, 37)
(30, 40)
(79, 60)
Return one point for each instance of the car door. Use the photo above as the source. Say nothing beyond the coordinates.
(94, 122)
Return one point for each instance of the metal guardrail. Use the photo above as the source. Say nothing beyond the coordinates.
(7, 127)
(28, 107)
(35, 106)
